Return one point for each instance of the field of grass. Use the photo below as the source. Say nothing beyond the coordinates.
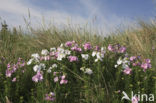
(103, 83)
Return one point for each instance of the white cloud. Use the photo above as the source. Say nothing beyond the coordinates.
(13, 12)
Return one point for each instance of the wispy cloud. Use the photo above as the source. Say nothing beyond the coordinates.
(14, 10)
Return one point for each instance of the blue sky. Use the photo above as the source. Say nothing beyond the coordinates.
(108, 13)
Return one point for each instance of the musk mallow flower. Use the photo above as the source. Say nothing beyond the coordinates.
(45, 52)
(67, 52)
(73, 58)
(35, 58)
(146, 64)
(119, 62)
(38, 77)
(53, 49)
(97, 48)
(60, 50)
(110, 47)
(36, 68)
(69, 43)
(35, 55)
(8, 73)
(99, 55)
(49, 70)
(85, 56)
(14, 79)
(132, 58)
(30, 61)
(56, 79)
(60, 56)
(122, 49)
(135, 99)
(124, 62)
(76, 48)
(61, 45)
(54, 66)
(63, 81)
(50, 96)
(94, 53)
(87, 46)
(46, 58)
(82, 69)
(88, 71)
(127, 71)
(39, 67)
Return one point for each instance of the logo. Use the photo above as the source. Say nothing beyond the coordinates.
(135, 98)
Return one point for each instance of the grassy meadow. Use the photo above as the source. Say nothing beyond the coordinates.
(102, 83)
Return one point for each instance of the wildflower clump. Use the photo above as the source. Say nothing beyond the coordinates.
(81, 69)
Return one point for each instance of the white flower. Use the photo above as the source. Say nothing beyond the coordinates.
(125, 60)
(60, 50)
(82, 68)
(103, 49)
(125, 63)
(36, 68)
(67, 52)
(44, 52)
(49, 70)
(125, 66)
(54, 66)
(119, 61)
(42, 66)
(99, 56)
(61, 56)
(116, 66)
(61, 45)
(36, 56)
(94, 53)
(53, 49)
(30, 61)
(88, 71)
(96, 60)
(85, 56)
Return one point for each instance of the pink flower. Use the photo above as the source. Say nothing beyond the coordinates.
(147, 64)
(63, 81)
(76, 48)
(37, 77)
(8, 66)
(55, 73)
(127, 71)
(56, 79)
(97, 48)
(69, 43)
(134, 64)
(87, 46)
(122, 49)
(72, 58)
(63, 77)
(132, 58)
(14, 79)
(147, 60)
(8, 73)
(50, 96)
(135, 99)
(110, 47)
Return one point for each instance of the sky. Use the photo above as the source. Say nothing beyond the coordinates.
(108, 14)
